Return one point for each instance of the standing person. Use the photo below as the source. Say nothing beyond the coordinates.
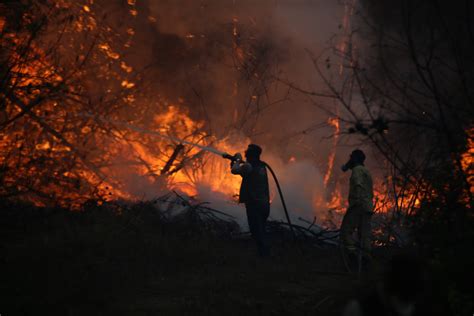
(360, 208)
(254, 193)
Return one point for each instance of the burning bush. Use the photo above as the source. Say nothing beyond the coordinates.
(63, 136)
(52, 54)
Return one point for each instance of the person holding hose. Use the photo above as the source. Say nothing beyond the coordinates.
(360, 210)
(254, 193)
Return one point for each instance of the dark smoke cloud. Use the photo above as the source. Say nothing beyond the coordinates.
(189, 53)
(188, 49)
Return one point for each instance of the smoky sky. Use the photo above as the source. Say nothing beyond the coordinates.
(189, 53)
(220, 58)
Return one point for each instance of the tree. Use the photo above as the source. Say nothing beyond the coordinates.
(408, 91)
(59, 70)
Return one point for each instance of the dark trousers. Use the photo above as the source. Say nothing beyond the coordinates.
(356, 219)
(257, 214)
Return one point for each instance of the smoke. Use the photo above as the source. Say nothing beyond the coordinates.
(231, 93)
(221, 59)
(302, 187)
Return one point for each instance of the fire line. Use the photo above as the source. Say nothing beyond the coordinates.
(155, 133)
(206, 148)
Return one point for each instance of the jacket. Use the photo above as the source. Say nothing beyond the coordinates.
(254, 187)
(361, 192)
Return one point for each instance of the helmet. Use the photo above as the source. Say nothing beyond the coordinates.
(253, 151)
(358, 156)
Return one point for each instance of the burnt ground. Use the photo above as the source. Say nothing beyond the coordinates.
(97, 263)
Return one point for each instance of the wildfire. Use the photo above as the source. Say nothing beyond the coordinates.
(53, 154)
(137, 165)
(191, 169)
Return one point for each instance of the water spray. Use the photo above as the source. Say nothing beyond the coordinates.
(155, 133)
(205, 148)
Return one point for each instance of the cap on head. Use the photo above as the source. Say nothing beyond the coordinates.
(358, 156)
(253, 151)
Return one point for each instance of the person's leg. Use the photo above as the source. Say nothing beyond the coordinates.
(349, 224)
(252, 219)
(365, 231)
(257, 214)
(264, 212)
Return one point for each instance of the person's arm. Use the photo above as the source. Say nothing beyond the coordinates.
(240, 167)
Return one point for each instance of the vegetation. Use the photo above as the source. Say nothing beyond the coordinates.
(98, 262)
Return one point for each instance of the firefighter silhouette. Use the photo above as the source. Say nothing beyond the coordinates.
(254, 193)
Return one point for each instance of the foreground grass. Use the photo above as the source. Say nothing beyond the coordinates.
(98, 263)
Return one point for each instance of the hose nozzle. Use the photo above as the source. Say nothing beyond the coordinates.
(228, 156)
(236, 157)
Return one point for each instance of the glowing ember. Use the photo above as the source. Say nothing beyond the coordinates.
(467, 159)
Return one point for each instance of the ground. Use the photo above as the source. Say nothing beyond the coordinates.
(97, 263)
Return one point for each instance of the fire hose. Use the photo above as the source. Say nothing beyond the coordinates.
(281, 198)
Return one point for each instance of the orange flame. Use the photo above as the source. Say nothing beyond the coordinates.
(467, 159)
(335, 123)
(190, 172)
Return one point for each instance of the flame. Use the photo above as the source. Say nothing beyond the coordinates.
(335, 123)
(128, 85)
(188, 173)
(2, 23)
(467, 159)
(105, 47)
(213, 173)
(122, 164)
(345, 45)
